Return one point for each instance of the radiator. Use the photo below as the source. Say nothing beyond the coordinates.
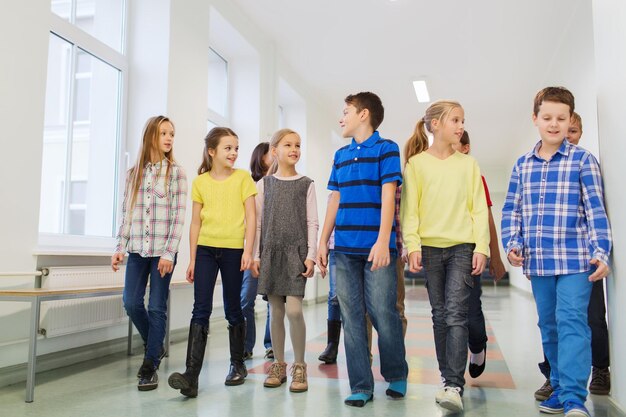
(70, 316)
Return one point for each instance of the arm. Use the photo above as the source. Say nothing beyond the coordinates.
(177, 206)
(409, 215)
(246, 259)
(258, 200)
(194, 232)
(379, 255)
(329, 225)
(124, 231)
(496, 267)
(597, 219)
(512, 220)
(480, 216)
(312, 227)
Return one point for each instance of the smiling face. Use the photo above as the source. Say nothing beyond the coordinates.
(350, 121)
(287, 151)
(226, 152)
(552, 121)
(166, 137)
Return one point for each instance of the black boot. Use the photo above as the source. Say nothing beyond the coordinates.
(329, 355)
(237, 372)
(187, 382)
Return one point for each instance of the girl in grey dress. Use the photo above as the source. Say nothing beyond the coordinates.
(286, 244)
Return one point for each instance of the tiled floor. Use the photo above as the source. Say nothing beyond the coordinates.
(108, 387)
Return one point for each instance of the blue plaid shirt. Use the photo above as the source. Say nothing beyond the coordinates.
(554, 212)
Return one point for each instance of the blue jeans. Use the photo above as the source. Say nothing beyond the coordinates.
(477, 337)
(562, 303)
(449, 283)
(151, 323)
(209, 261)
(334, 312)
(361, 290)
(248, 296)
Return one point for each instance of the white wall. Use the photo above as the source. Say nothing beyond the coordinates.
(610, 58)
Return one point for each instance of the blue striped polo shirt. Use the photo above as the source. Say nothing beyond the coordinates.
(359, 172)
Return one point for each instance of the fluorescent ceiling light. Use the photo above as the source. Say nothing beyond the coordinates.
(421, 91)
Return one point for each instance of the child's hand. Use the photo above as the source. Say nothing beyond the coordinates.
(514, 258)
(310, 268)
(496, 268)
(322, 259)
(116, 259)
(602, 270)
(246, 261)
(405, 255)
(379, 256)
(165, 267)
(255, 269)
(415, 261)
(479, 260)
(190, 271)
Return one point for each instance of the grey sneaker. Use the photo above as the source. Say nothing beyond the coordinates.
(544, 392)
(451, 399)
(269, 353)
(149, 379)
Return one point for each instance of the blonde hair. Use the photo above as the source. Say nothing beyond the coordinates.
(274, 141)
(418, 142)
(150, 146)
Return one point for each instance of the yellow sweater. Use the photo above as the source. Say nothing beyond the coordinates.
(223, 211)
(443, 203)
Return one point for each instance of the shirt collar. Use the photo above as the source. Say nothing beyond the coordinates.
(370, 142)
(162, 163)
(564, 149)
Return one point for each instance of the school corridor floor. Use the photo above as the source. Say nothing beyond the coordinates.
(107, 387)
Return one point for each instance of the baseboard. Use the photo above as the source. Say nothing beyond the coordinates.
(615, 410)
(17, 373)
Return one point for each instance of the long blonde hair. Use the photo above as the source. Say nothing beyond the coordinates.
(274, 141)
(149, 147)
(418, 142)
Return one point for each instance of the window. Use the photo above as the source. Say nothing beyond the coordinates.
(218, 88)
(83, 119)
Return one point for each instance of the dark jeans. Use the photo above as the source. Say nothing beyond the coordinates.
(477, 337)
(249, 288)
(599, 331)
(151, 323)
(210, 261)
(449, 283)
(334, 311)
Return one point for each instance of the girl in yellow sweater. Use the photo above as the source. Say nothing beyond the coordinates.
(223, 219)
(446, 231)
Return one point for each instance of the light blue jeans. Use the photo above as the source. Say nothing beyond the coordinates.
(361, 290)
(562, 304)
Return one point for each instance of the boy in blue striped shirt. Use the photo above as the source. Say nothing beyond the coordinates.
(555, 226)
(361, 209)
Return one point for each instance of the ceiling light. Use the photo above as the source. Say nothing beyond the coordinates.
(421, 91)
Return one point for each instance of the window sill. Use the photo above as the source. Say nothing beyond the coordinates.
(67, 245)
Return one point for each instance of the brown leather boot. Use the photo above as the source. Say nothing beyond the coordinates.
(298, 378)
(276, 375)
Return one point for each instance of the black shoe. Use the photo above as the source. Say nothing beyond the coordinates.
(544, 392)
(149, 379)
(237, 372)
(476, 370)
(247, 355)
(161, 356)
(269, 353)
(187, 382)
(600, 381)
(330, 353)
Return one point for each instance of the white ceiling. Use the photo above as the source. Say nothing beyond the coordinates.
(490, 55)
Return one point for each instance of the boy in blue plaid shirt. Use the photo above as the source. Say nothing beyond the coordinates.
(555, 226)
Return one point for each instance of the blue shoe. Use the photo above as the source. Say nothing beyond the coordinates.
(575, 409)
(397, 389)
(552, 405)
(359, 399)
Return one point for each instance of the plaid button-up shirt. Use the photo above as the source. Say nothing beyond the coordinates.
(155, 225)
(554, 212)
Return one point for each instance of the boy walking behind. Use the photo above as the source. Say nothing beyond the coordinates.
(555, 226)
(361, 208)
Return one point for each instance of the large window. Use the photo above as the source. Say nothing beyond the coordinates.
(218, 89)
(83, 119)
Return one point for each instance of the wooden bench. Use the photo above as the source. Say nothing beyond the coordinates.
(37, 295)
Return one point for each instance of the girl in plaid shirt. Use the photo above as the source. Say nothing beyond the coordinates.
(153, 213)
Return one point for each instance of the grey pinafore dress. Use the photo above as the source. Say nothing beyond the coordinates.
(283, 236)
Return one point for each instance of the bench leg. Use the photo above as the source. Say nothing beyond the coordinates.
(32, 350)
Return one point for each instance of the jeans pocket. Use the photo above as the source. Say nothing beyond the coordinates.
(469, 280)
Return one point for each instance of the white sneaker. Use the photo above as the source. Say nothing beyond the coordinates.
(451, 399)
(440, 394)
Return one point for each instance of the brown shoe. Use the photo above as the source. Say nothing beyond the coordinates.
(298, 378)
(600, 381)
(544, 392)
(276, 375)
